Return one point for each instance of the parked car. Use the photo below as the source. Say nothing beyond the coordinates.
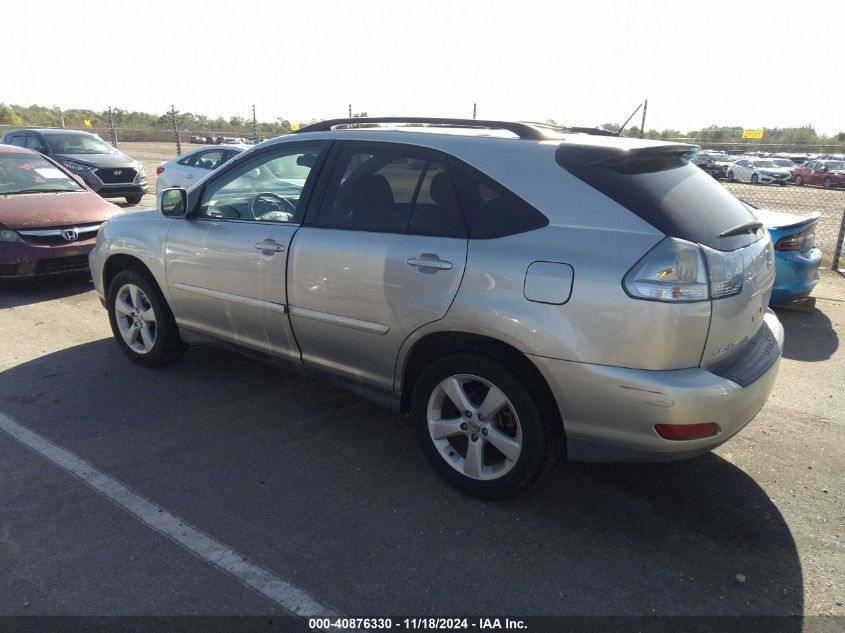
(188, 169)
(199, 140)
(104, 169)
(715, 164)
(797, 259)
(760, 171)
(786, 163)
(48, 219)
(517, 293)
(827, 173)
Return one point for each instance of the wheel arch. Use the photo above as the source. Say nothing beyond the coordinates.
(122, 261)
(438, 344)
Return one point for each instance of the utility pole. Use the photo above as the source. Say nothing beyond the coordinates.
(254, 125)
(350, 110)
(176, 131)
(642, 127)
(473, 109)
(111, 125)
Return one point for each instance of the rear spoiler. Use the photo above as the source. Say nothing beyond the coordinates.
(576, 156)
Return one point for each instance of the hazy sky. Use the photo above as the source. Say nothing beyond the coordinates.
(702, 62)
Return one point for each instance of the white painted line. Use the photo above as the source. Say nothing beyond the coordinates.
(290, 598)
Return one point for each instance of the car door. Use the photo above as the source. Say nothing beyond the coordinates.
(226, 262)
(743, 171)
(384, 255)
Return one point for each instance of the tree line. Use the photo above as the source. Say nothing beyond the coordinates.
(137, 122)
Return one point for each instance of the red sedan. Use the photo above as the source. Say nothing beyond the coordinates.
(827, 173)
(48, 218)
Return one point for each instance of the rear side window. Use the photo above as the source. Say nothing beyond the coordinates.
(491, 210)
(663, 188)
(391, 191)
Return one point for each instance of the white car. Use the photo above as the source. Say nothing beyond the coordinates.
(187, 169)
(758, 171)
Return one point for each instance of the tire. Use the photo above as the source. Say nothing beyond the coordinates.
(754, 179)
(155, 340)
(133, 199)
(799, 181)
(731, 177)
(526, 426)
(828, 183)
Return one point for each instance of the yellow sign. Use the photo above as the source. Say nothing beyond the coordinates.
(294, 127)
(87, 122)
(752, 134)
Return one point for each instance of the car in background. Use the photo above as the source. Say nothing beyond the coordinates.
(199, 140)
(827, 173)
(786, 163)
(797, 259)
(48, 218)
(760, 171)
(714, 163)
(189, 168)
(109, 172)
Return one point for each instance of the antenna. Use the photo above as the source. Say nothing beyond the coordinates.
(628, 120)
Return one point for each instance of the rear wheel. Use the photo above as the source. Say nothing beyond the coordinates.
(828, 183)
(754, 179)
(141, 320)
(133, 199)
(799, 181)
(482, 428)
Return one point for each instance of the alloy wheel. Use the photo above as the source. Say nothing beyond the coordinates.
(136, 318)
(474, 427)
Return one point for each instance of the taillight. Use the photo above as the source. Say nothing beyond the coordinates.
(679, 432)
(159, 170)
(677, 271)
(798, 242)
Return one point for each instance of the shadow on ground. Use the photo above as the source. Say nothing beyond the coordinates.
(810, 336)
(332, 493)
(20, 292)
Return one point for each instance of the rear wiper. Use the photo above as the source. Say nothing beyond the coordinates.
(748, 227)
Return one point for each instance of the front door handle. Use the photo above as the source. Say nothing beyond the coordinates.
(427, 260)
(269, 245)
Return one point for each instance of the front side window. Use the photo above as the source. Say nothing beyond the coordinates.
(267, 188)
(392, 191)
(34, 143)
(29, 173)
(209, 160)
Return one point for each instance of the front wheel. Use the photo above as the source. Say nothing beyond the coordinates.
(482, 428)
(828, 183)
(141, 320)
(754, 179)
(731, 177)
(133, 199)
(799, 181)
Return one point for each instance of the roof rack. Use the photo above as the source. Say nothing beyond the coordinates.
(522, 130)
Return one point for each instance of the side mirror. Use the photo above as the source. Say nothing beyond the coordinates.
(174, 202)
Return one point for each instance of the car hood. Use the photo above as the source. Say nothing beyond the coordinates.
(100, 160)
(778, 220)
(44, 210)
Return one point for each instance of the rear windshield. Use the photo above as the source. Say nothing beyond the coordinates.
(671, 194)
(29, 173)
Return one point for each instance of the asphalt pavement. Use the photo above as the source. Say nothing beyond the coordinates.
(330, 495)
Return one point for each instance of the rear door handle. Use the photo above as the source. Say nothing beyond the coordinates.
(429, 261)
(269, 245)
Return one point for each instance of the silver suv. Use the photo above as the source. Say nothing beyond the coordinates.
(519, 290)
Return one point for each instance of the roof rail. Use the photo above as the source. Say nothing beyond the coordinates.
(522, 130)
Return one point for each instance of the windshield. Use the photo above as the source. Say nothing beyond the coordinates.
(78, 144)
(783, 162)
(764, 163)
(24, 173)
(835, 164)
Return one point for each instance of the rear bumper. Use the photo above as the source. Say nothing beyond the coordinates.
(609, 413)
(28, 260)
(797, 275)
